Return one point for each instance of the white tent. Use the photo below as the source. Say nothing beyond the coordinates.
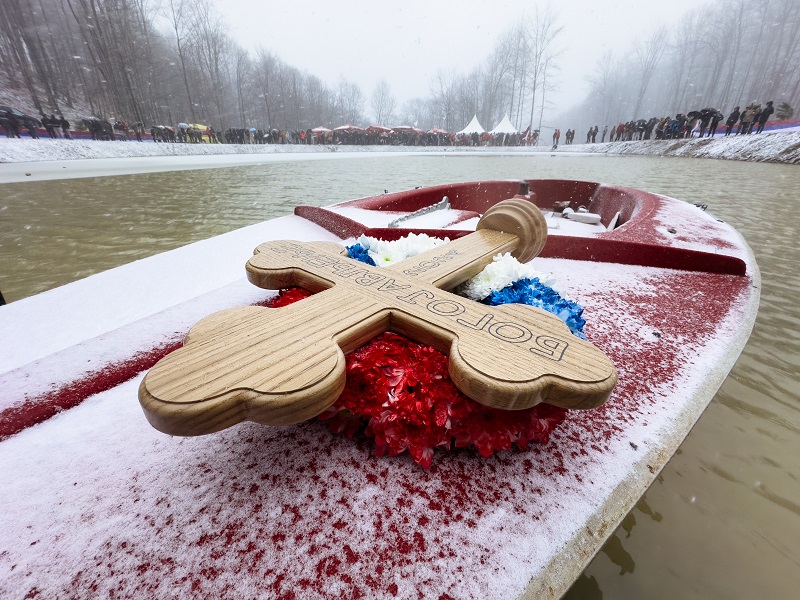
(504, 126)
(473, 127)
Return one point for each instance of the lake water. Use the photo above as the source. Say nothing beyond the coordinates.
(723, 518)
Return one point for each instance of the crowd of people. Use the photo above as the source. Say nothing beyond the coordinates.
(13, 123)
(697, 123)
(526, 138)
(116, 129)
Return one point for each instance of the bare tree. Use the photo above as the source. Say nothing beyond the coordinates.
(212, 48)
(351, 101)
(734, 25)
(243, 70)
(519, 58)
(469, 101)
(177, 12)
(13, 19)
(648, 55)
(685, 51)
(383, 103)
(549, 69)
(320, 101)
(779, 64)
(543, 31)
(498, 80)
(418, 112)
(604, 86)
(443, 98)
(265, 73)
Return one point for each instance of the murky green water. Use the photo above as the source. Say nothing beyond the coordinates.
(723, 519)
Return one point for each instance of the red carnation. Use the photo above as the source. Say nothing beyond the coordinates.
(402, 392)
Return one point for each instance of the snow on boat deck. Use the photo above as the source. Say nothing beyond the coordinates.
(97, 503)
(449, 219)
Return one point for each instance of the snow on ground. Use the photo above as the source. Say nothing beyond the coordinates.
(782, 147)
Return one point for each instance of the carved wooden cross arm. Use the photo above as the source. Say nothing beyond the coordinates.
(286, 365)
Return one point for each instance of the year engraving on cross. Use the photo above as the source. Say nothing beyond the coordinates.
(282, 366)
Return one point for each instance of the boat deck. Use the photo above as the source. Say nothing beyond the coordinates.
(98, 503)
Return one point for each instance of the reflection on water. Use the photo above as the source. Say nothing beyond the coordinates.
(723, 518)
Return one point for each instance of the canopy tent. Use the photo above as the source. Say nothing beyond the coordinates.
(473, 127)
(504, 126)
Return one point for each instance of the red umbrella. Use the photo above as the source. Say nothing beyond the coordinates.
(378, 129)
(437, 130)
(321, 130)
(407, 128)
(348, 128)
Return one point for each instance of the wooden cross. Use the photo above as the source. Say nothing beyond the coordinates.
(286, 365)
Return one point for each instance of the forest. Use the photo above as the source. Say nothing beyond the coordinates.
(724, 54)
(165, 61)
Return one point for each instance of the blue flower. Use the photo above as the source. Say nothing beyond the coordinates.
(534, 293)
(523, 291)
(359, 253)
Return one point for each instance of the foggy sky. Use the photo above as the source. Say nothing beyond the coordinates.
(407, 42)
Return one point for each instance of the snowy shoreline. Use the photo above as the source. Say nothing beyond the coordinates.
(782, 147)
(32, 160)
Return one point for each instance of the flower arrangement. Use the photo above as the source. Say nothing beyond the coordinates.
(400, 393)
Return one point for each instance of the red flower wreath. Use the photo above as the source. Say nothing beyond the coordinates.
(403, 393)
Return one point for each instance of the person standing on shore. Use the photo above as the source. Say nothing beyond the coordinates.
(732, 119)
(748, 116)
(763, 116)
(715, 119)
(49, 126)
(64, 124)
(31, 124)
(5, 123)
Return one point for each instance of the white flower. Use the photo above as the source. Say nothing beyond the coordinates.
(388, 253)
(501, 272)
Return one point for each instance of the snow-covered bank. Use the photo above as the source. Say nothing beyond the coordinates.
(771, 147)
(36, 160)
(22, 150)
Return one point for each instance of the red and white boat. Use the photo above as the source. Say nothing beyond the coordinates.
(97, 503)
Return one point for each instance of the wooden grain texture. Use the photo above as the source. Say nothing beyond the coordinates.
(286, 365)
